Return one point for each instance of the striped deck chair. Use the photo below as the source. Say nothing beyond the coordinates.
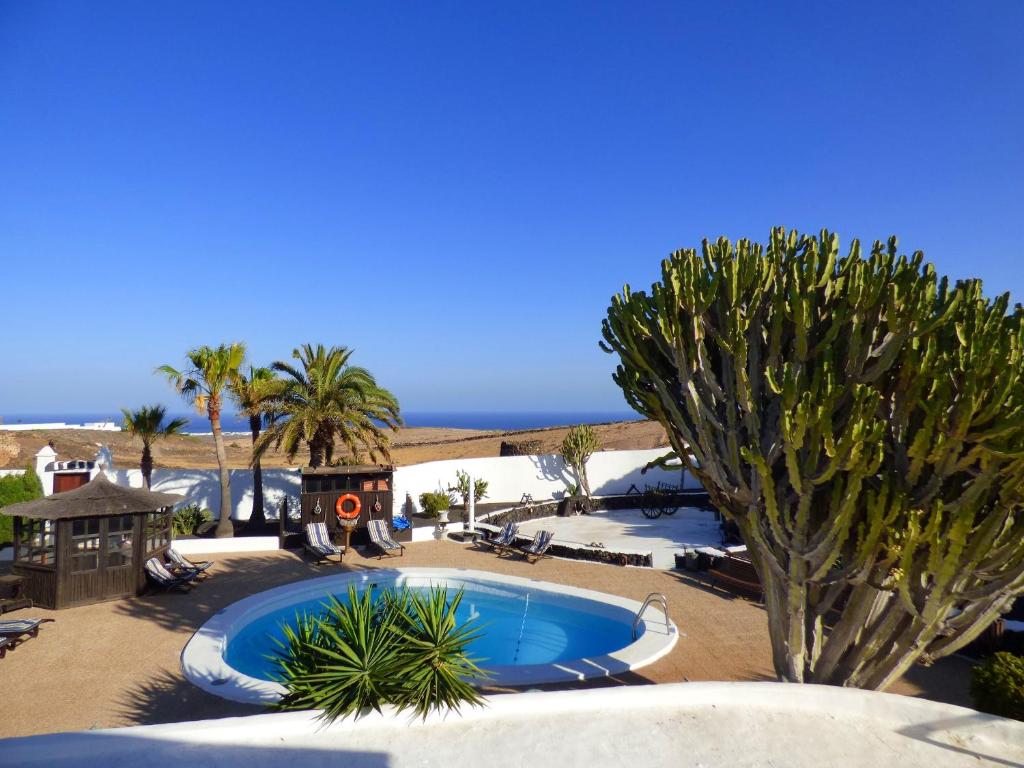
(381, 537)
(5, 643)
(181, 563)
(537, 548)
(505, 538)
(17, 629)
(161, 577)
(318, 543)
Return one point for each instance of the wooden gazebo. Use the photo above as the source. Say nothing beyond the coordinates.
(89, 544)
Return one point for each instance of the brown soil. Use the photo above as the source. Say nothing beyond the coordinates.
(117, 663)
(409, 446)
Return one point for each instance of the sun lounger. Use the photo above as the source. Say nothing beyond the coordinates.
(318, 543)
(537, 548)
(17, 629)
(505, 538)
(5, 643)
(159, 575)
(381, 537)
(179, 561)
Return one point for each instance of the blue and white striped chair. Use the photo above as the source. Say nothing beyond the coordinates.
(159, 575)
(381, 537)
(181, 563)
(14, 629)
(537, 548)
(318, 543)
(505, 538)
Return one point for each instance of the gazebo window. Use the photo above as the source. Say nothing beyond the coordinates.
(119, 540)
(85, 544)
(36, 544)
(158, 531)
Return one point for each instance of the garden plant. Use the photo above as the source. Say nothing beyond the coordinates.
(861, 421)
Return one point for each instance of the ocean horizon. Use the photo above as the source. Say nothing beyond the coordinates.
(491, 420)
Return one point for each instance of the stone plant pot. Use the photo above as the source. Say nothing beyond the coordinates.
(442, 516)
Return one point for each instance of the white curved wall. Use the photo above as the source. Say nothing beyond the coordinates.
(508, 477)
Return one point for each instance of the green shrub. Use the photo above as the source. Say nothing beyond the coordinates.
(434, 502)
(402, 648)
(15, 488)
(461, 487)
(997, 685)
(189, 518)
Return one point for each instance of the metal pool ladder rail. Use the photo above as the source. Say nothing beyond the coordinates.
(654, 597)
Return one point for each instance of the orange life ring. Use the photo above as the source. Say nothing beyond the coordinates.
(339, 507)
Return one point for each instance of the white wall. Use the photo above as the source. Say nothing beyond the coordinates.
(543, 477)
(508, 477)
(6, 472)
(202, 487)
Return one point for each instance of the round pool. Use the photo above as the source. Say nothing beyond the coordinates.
(531, 631)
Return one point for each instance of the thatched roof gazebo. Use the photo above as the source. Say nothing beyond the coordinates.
(89, 544)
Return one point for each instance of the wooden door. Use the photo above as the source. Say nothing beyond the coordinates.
(69, 481)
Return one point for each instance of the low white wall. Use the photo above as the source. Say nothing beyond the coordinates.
(714, 724)
(239, 544)
(543, 477)
(8, 472)
(508, 477)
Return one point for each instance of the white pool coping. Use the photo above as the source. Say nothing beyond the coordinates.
(203, 664)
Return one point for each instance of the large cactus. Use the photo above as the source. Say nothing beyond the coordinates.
(861, 422)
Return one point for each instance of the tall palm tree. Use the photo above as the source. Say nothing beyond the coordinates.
(211, 370)
(147, 425)
(254, 394)
(326, 402)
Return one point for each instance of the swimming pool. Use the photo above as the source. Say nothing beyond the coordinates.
(532, 631)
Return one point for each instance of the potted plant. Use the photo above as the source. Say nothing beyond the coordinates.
(436, 504)
(461, 487)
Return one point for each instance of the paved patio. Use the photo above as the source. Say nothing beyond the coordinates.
(117, 663)
(628, 529)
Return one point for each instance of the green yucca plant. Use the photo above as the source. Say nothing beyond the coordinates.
(401, 648)
(438, 664)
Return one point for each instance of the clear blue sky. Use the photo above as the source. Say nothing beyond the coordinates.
(456, 189)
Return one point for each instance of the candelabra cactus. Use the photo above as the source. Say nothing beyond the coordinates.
(861, 421)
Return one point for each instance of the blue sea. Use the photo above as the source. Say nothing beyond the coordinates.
(497, 420)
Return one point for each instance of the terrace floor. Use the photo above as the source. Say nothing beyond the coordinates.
(628, 529)
(117, 663)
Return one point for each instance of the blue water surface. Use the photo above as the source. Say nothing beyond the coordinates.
(514, 631)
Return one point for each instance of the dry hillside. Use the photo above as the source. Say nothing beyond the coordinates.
(409, 446)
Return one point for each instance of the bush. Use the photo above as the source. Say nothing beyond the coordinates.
(434, 502)
(188, 519)
(461, 487)
(403, 648)
(997, 685)
(15, 488)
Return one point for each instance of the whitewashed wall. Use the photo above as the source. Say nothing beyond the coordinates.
(202, 487)
(6, 472)
(543, 477)
(508, 477)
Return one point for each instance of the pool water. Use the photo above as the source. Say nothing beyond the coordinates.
(517, 627)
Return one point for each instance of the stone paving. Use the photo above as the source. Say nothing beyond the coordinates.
(117, 663)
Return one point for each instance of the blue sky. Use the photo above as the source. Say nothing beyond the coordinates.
(456, 189)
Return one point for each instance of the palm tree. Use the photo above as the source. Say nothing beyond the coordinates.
(147, 424)
(211, 371)
(324, 402)
(253, 394)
